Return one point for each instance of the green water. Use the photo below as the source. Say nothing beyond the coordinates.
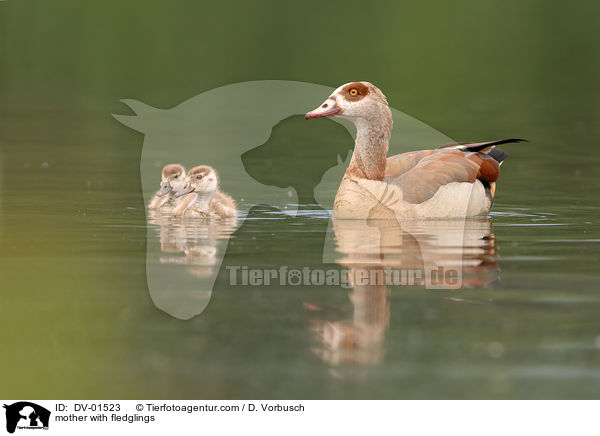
(76, 317)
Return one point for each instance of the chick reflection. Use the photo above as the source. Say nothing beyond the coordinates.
(379, 253)
(193, 244)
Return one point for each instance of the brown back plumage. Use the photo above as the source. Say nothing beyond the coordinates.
(420, 174)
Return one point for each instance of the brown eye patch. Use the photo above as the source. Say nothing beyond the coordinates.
(355, 91)
(200, 172)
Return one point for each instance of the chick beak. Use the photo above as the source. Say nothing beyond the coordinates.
(165, 188)
(327, 109)
(187, 188)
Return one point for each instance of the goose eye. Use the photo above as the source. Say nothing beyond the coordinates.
(353, 92)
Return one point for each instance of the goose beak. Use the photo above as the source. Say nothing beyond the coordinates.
(165, 188)
(327, 109)
(185, 190)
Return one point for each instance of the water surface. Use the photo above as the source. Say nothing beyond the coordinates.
(77, 317)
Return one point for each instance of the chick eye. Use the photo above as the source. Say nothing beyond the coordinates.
(199, 176)
(177, 175)
(353, 92)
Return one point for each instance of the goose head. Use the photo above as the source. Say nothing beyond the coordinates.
(201, 179)
(354, 101)
(173, 178)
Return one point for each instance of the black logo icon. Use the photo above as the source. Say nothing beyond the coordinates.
(24, 414)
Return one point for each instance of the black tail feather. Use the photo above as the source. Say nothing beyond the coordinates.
(498, 154)
(477, 146)
(482, 145)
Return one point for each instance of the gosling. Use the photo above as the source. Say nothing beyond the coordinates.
(202, 197)
(173, 179)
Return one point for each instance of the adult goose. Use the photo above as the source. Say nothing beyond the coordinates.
(455, 180)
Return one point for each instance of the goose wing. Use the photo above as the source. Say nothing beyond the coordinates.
(437, 168)
(401, 163)
(421, 173)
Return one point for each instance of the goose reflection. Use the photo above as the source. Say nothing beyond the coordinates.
(358, 339)
(440, 254)
(381, 254)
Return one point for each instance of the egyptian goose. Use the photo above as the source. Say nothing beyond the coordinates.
(173, 178)
(456, 180)
(202, 196)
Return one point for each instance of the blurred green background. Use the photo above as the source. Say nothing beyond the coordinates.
(75, 317)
